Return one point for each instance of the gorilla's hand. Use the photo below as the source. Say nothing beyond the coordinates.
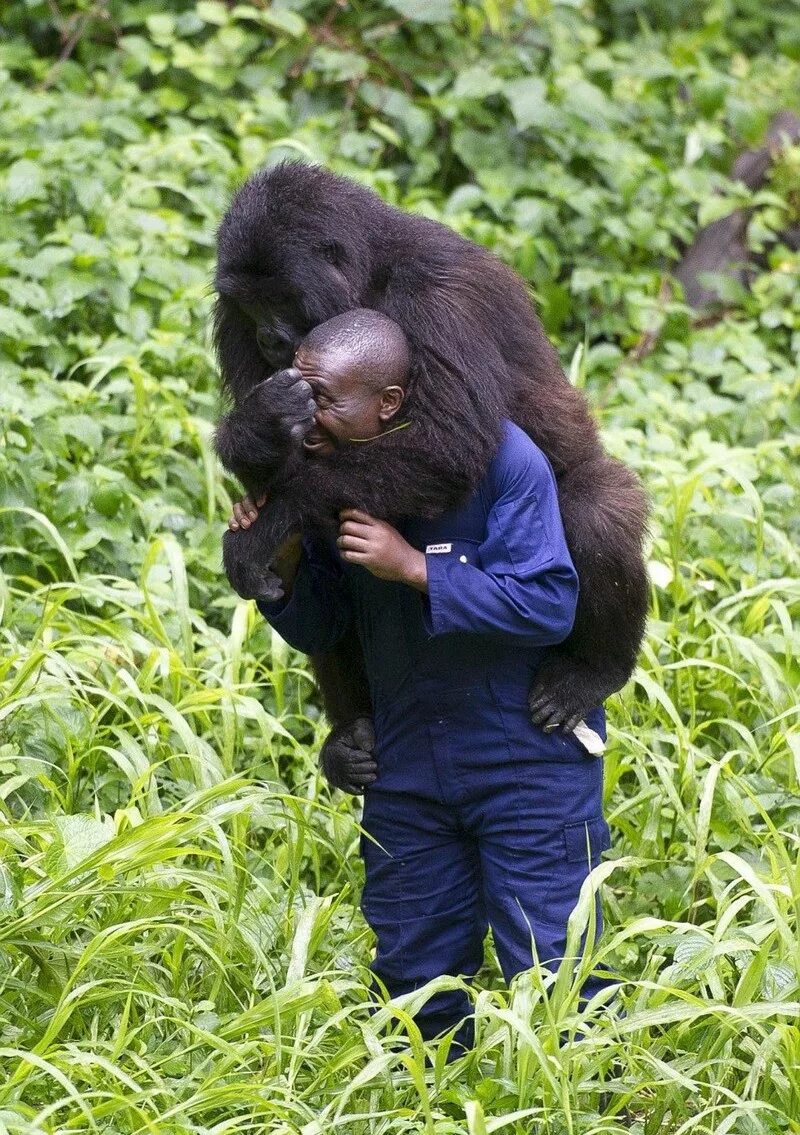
(282, 407)
(348, 757)
(259, 437)
(566, 689)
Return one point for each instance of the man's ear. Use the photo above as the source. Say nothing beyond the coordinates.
(391, 401)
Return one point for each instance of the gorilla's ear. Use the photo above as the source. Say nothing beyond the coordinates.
(334, 253)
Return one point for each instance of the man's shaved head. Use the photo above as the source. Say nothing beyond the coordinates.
(357, 367)
(367, 342)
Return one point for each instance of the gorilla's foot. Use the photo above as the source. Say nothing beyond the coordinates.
(348, 757)
(246, 555)
(270, 587)
(567, 688)
(252, 581)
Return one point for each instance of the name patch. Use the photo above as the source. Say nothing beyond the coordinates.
(433, 548)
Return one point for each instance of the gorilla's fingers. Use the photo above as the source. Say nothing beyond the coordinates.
(571, 721)
(356, 789)
(537, 696)
(553, 722)
(362, 768)
(548, 715)
(540, 709)
(363, 734)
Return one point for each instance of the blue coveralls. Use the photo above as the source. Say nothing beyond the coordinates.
(479, 816)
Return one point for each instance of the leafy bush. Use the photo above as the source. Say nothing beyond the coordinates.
(178, 890)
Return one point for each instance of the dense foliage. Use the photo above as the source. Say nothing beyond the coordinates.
(181, 942)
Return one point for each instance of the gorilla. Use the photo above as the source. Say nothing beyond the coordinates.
(300, 245)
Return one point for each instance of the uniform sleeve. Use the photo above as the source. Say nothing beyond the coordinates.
(318, 612)
(524, 586)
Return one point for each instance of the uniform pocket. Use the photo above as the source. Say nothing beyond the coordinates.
(585, 841)
(527, 742)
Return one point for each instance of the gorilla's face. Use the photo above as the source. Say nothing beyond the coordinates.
(283, 286)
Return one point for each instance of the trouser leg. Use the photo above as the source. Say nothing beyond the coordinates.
(422, 898)
(540, 838)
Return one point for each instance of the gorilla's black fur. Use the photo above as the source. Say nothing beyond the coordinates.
(299, 245)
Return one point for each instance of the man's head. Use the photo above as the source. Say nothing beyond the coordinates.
(357, 366)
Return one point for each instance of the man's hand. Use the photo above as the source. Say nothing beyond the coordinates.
(245, 513)
(380, 549)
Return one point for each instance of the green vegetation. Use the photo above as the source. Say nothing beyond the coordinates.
(182, 949)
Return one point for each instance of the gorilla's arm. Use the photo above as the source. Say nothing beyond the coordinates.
(258, 440)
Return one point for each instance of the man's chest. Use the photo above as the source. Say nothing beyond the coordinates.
(457, 533)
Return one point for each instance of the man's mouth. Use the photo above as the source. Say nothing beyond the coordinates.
(314, 442)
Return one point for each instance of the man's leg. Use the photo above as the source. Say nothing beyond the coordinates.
(541, 835)
(422, 898)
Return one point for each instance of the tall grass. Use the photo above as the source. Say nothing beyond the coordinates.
(179, 891)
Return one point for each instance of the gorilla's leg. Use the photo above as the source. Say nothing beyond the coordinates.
(342, 681)
(347, 756)
(604, 512)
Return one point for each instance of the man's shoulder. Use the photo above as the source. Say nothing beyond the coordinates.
(518, 460)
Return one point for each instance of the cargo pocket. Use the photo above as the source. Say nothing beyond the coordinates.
(585, 841)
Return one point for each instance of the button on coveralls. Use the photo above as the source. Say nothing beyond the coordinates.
(477, 816)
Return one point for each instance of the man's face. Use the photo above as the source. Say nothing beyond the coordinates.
(347, 406)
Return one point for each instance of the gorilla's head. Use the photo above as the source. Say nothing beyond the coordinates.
(292, 252)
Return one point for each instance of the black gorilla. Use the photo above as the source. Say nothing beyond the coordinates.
(300, 245)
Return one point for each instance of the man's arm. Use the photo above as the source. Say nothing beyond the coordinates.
(526, 587)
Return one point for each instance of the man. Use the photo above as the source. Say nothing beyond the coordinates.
(473, 815)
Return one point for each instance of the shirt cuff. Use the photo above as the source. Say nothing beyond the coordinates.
(434, 601)
(274, 610)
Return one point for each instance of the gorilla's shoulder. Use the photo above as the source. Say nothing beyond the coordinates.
(518, 462)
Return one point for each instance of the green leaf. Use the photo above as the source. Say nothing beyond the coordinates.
(478, 82)
(212, 12)
(282, 19)
(528, 100)
(424, 11)
(76, 838)
(25, 181)
(83, 428)
(415, 122)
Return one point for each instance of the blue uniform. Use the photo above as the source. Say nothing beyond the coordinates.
(478, 816)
